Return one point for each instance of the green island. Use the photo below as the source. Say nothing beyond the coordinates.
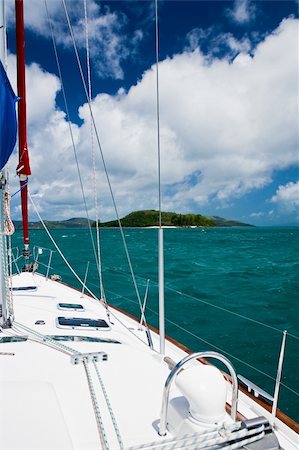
(150, 218)
(144, 219)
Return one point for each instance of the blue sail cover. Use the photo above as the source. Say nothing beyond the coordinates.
(8, 118)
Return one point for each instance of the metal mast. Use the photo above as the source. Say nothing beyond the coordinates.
(160, 231)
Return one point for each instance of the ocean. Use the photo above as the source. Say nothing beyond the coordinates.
(232, 290)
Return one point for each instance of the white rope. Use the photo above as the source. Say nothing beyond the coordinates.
(100, 424)
(9, 228)
(117, 432)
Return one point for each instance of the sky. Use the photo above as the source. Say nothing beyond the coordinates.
(228, 89)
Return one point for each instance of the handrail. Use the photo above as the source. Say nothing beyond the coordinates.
(178, 367)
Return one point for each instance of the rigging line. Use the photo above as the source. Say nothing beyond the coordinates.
(102, 155)
(209, 304)
(231, 312)
(19, 190)
(208, 343)
(44, 339)
(102, 293)
(70, 129)
(158, 114)
(74, 272)
(232, 356)
(59, 251)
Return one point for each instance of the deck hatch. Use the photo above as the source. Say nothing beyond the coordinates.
(24, 288)
(70, 306)
(82, 323)
(84, 339)
(8, 339)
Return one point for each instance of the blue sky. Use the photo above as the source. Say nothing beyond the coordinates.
(229, 108)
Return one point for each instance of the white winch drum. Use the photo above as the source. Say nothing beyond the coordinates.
(205, 389)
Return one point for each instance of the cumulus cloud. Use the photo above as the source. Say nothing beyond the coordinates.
(226, 126)
(49, 142)
(217, 44)
(108, 35)
(287, 197)
(242, 12)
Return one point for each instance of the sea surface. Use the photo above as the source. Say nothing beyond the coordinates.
(232, 290)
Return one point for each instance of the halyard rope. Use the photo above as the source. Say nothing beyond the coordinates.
(121, 445)
(8, 225)
(100, 424)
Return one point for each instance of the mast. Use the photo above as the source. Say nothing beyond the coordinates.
(160, 231)
(23, 168)
(2, 35)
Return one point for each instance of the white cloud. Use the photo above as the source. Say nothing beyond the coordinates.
(243, 11)
(287, 197)
(218, 45)
(258, 214)
(225, 127)
(106, 30)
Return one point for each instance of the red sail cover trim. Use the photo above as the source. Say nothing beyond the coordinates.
(23, 168)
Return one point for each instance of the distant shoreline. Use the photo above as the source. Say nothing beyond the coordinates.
(154, 227)
(143, 219)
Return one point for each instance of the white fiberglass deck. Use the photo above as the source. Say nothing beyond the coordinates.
(49, 400)
(42, 387)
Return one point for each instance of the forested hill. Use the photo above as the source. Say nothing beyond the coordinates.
(150, 218)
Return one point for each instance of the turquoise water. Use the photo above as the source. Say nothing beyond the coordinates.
(214, 279)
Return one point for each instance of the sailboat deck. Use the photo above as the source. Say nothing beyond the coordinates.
(54, 403)
(130, 376)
